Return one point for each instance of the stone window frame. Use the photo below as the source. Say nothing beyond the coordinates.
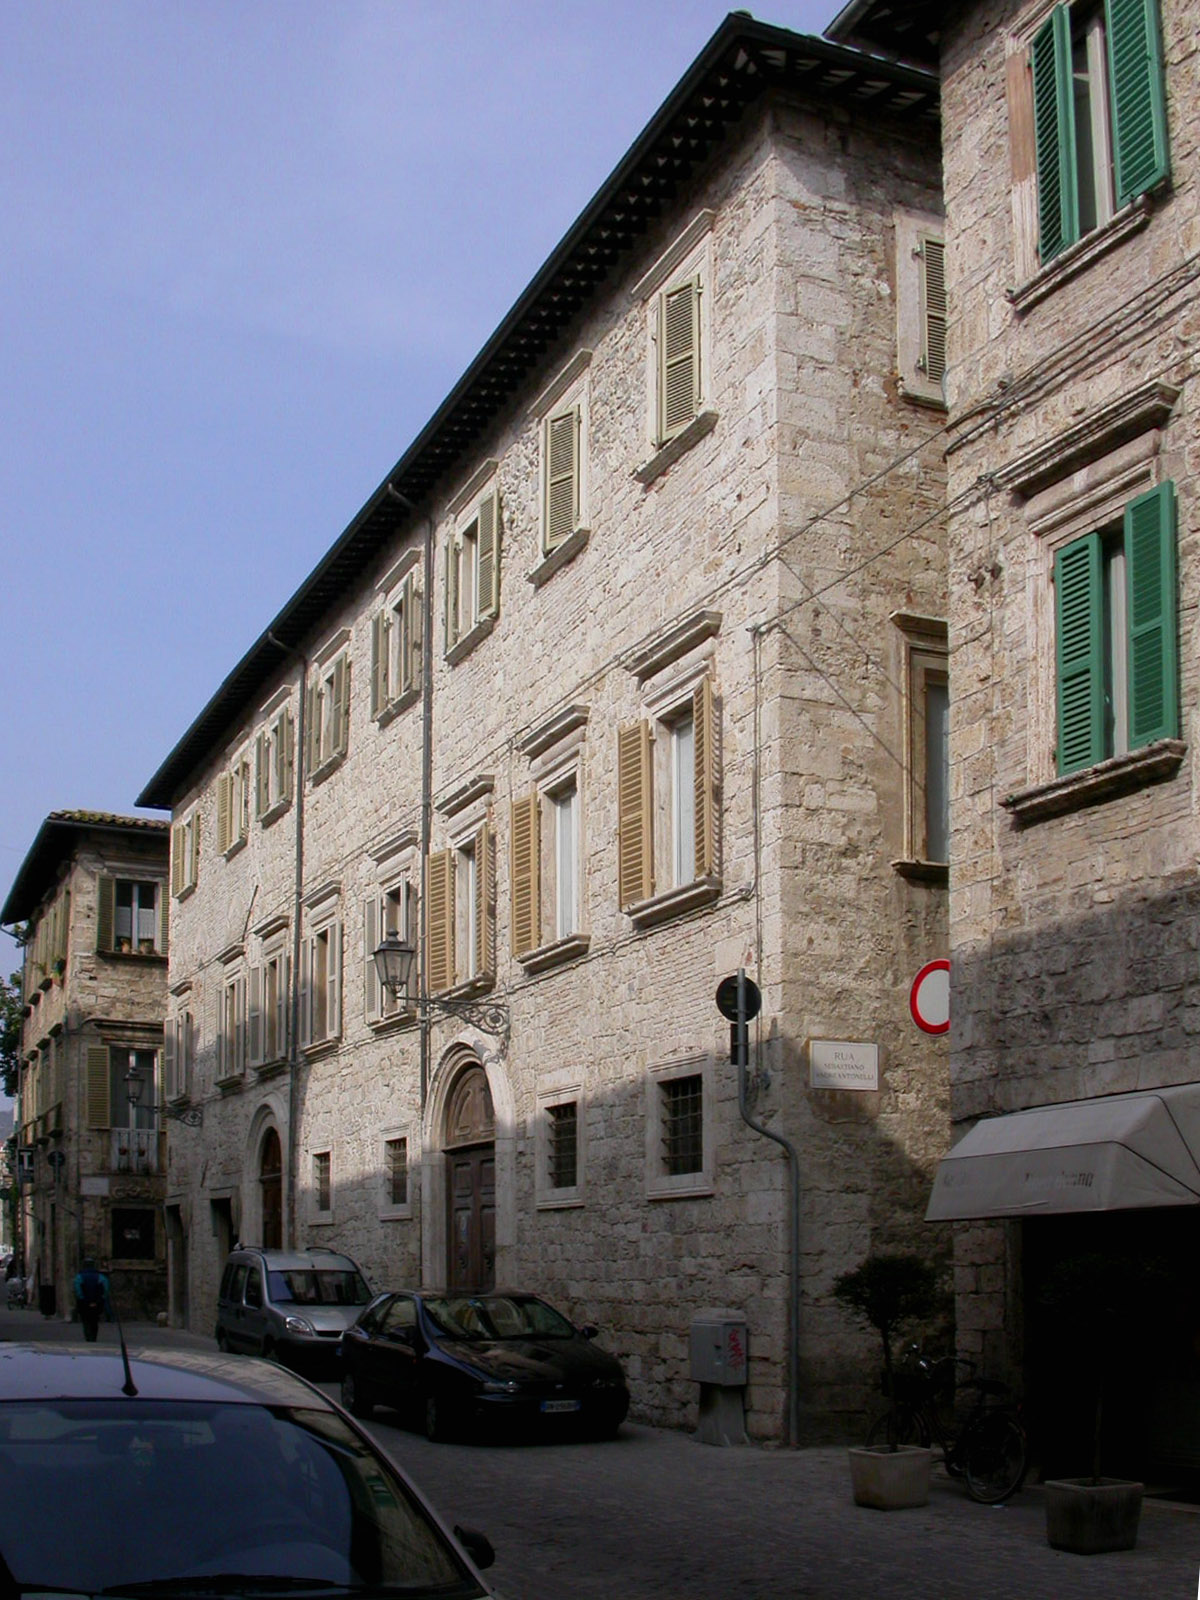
(321, 1216)
(232, 1031)
(327, 713)
(925, 655)
(569, 392)
(179, 1045)
(659, 1184)
(397, 640)
(555, 750)
(464, 510)
(398, 874)
(325, 927)
(560, 1089)
(1069, 486)
(275, 758)
(235, 803)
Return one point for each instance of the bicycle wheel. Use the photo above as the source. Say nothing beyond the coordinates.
(994, 1457)
(909, 1428)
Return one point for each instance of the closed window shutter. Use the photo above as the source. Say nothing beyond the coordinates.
(679, 358)
(413, 628)
(164, 918)
(634, 855)
(526, 860)
(488, 589)
(1054, 135)
(306, 1018)
(933, 308)
(106, 895)
(283, 1029)
(224, 811)
(312, 727)
(242, 1024)
(1078, 600)
(333, 1023)
(285, 753)
(1153, 649)
(562, 477)
(704, 756)
(176, 860)
(262, 776)
(439, 921)
(372, 988)
(341, 705)
(1139, 111)
(194, 832)
(453, 558)
(170, 1058)
(379, 662)
(98, 1112)
(255, 1017)
(485, 904)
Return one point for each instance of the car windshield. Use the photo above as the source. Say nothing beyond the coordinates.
(186, 1496)
(497, 1316)
(321, 1286)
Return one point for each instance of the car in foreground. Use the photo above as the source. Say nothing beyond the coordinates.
(188, 1474)
(461, 1362)
(291, 1306)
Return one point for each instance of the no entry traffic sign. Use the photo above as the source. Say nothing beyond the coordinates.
(929, 997)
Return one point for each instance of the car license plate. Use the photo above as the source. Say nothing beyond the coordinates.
(560, 1405)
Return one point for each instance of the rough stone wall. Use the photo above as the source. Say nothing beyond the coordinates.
(801, 301)
(1073, 936)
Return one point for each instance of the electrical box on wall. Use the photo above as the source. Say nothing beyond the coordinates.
(720, 1347)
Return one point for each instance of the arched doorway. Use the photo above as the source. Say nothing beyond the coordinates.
(470, 1149)
(270, 1179)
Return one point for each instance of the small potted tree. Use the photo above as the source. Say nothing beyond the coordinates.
(887, 1291)
(1092, 1294)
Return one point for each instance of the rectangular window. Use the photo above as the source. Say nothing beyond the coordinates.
(131, 916)
(667, 799)
(561, 476)
(562, 1145)
(932, 361)
(1099, 114)
(274, 762)
(268, 1008)
(681, 734)
(679, 374)
(395, 1153)
(392, 911)
(178, 1053)
(323, 1181)
(682, 1125)
(1116, 633)
(185, 854)
(564, 807)
(232, 1040)
(328, 713)
(233, 805)
(473, 571)
(396, 648)
(460, 912)
(121, 1062)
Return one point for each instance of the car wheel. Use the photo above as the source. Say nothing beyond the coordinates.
(353, 1398)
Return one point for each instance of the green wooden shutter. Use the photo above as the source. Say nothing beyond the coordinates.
(106, 900)
(1054, 135)
(1153, 653)
(487, 594)
(561, 512)
(97, 1069)
(1079, 613)
(679, 358)
(1136, 96)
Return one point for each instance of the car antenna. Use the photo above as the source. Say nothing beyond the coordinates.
(128, 1387)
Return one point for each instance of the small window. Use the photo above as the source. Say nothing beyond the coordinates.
(328, 714)
(122, 1061)
(395, 1163)
(185, 855)
(460, 913)
(683, 1126)
(232, 1040)
(545, 866)
(394, 910)
(563, 1146)
(323, 1181)
(1099, 115)
(268, 1002)
(234, 789)
(679, 352)
(560, 1153)
(926, 709)
(274, 762)
(321, 985)
(133, 1234)
(562, 451)
(396, 648)
(473, 572)
(679, 1137)
(179, 1047)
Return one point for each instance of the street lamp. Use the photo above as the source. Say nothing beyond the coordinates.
(394, 961)
(135, 1082)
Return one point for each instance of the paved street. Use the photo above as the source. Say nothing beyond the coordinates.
(653, 1513)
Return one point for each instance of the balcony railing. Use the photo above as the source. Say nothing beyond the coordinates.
(134, 1150)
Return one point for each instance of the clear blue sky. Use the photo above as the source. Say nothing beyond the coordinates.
(245, 250)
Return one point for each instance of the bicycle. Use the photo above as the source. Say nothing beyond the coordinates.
(989, 1450)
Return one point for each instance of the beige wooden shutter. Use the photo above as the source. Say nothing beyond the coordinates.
(410, 638)
(333, 988)
(439, 921)
(525, 850)
(372, 988)
(487, 600)
(312, 726)
(262, 776)
(306, 995)
(170, 1058)
(561, 511)
(704, 757)
(453, 558)
(679, 357)
(255, 1029)
(380, 627)
(485, 904)
(164, 918)
(635, 880)
(285, 753)
(224, 812)
(97, 1067)
(195, 853)
(341, 705)
(177, 859)
(106, 898)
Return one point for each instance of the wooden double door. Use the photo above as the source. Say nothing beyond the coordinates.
(471, 1186)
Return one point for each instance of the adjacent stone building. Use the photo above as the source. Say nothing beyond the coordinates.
(630, 674)
(1072, 230)
(91, 904)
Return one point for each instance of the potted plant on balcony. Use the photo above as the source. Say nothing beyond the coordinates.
(887, 1291)
(1092, 1295)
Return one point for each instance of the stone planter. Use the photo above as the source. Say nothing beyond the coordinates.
(1089, 1518)
(890, 1480)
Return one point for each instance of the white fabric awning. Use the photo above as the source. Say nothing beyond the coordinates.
(1116, 1153)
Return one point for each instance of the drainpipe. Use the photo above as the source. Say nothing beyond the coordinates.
(298, 775)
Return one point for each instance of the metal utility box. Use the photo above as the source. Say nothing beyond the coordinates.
(720, 1347)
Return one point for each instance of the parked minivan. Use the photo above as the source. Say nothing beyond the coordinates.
(289, 1305)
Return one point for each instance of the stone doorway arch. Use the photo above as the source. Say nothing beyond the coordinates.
(468, 1176)
(470, 1153)
(270, 1184)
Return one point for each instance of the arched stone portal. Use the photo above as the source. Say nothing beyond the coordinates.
(470, 1155)
(270, 1180)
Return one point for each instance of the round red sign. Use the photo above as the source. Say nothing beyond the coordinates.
(929, 997)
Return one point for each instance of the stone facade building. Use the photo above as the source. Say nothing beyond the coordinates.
(91, 899)
(630, 674)
(1072, 230)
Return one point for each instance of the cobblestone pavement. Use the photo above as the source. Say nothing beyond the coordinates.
(653, 1514)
